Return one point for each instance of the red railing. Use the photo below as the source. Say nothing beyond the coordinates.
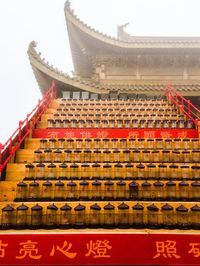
(14, 142)
(191, 111)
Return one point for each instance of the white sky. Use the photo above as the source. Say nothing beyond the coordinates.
(22, 21)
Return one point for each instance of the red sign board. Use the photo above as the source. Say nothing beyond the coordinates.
(115, 133)
(100, 249)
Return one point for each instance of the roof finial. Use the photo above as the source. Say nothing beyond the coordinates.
(68, 4)
(120, 30)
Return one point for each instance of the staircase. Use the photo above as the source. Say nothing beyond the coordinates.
(104, 182)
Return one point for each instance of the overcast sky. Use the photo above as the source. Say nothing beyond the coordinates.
(22, 21)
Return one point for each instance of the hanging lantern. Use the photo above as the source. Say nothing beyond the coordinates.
(62, 171)
(195, 171)
(195, 144)
(138, 216)
(65, 217)
(37, 156)
(114, 143)
(36, 217)
(136, 155)
(84, 190)
(168, 217)
(116, 156)
(108, 190)
(29, 171)
(52, 175)
(195, 217)
(47, 155)
(109, 216)
(51, 216)
(121, 190)
(59, 192)
(80, 216)
(146, 191)
(195, 190)
(186, 143)
(87, 155)
(52, 143)
(196, 156)
(77, 156)
(22, 217)
(106, 156)
(174, 170)
(123, 215)
(43, 143)
(151, 171)
(7, 220)
(182, 217)
(129, 174)
(71, 191)
(67, 156)
(140, 170)
(177, 144)
(61, 143)
(57, 156)
(96, 190)
(171, 190)
(70, 143)
(141, 143)
(96, 171)
(152, 216)
(107, 173)
(33, 193)
(168, 144)
(21, 194)
(95, 216)
(162, 168)
(158, 190)
(183, 191)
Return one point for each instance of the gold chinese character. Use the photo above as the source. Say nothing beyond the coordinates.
(98, 249)
(2, 249)
(182, 134)
(64, 250)
(69, 134)
(102, 134)
(166, 249)
(29, 249)
(149, 134)
(165, 134)
(133, 134)
(52, 134)
(86, 135)
(195, 249)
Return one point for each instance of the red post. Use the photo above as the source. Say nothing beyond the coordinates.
(20, 132)
(188, 102)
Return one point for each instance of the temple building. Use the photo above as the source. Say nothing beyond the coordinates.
(125, 65)
(105, 170)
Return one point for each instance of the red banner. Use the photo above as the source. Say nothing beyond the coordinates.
(99, 249)
(115, 133)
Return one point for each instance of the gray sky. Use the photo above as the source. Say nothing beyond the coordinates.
(22, 21)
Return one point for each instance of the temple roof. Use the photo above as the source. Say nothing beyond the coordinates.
(88, 44)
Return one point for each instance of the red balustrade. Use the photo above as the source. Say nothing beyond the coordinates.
(191, 111)
(25, 127)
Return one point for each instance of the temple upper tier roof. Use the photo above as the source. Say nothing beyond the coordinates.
(126, 64)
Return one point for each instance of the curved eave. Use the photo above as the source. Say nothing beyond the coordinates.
(136, 43)
(45, 74)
